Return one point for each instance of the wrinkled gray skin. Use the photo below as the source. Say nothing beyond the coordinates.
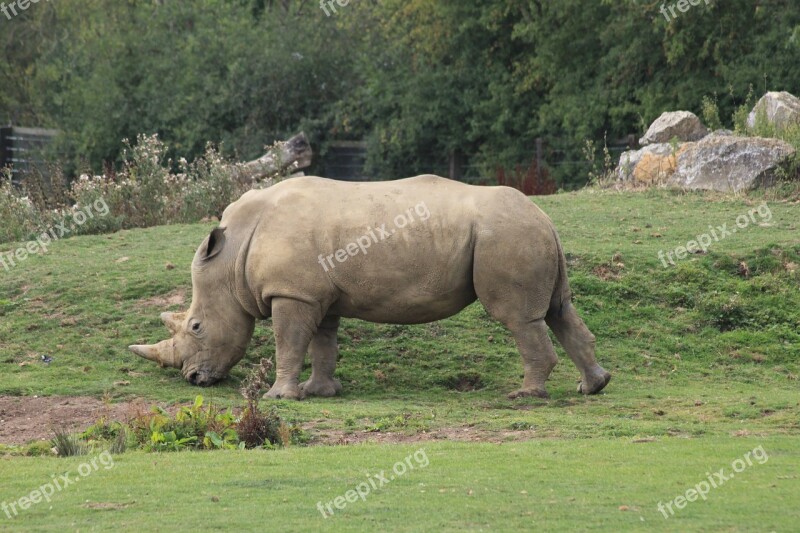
(460, 242)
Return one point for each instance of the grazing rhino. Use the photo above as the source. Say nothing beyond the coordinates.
(310, 250)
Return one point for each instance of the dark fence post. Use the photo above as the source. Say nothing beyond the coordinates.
(539, 152)
(456, 165)
(20, 149)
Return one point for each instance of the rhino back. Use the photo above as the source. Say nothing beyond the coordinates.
(399, 251)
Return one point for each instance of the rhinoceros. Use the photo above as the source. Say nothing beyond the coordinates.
(311, 250)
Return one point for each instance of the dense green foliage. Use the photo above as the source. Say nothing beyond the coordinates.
(416, 78)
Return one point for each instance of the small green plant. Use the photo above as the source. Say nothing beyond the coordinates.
(120, 443)
(601, 173)
(741, 113)
(228, 440)
(101, 431)
(39, 449)
(67, 444)
(169, 441)
(192, 427)
(711, 113)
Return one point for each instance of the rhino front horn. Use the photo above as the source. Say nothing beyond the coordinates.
(162, 353)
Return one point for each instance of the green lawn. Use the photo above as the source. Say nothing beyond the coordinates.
(583, 484)
(705, 357)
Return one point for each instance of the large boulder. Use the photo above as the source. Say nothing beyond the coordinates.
(652, 164)
(781, 109)
(729, 163)
(681, 125)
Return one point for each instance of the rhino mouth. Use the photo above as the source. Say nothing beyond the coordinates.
(202, 378)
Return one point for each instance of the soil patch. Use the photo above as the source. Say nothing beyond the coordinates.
(28, 418)
(25, 418)
(333, 437)
(177, 297)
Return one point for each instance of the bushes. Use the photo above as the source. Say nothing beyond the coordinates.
(17, 212)
(195, 427)
(144, 193)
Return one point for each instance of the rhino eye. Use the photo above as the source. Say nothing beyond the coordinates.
(196, 327)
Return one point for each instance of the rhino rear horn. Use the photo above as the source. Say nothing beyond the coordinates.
(162, 353)
(173, 321)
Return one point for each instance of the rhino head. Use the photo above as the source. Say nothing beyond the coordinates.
(212, 336)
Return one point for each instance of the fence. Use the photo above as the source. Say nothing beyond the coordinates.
(345, 160)
(21, 149)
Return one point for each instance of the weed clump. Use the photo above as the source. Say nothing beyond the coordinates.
(68, 445)
(200, 426)
(257, 427)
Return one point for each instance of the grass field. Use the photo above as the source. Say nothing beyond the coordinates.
(576, 484)
(705, 357)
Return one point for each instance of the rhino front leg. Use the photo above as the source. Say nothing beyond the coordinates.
(324, 351)
(294, 324)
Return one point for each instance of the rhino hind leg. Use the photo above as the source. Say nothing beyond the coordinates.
(538, 357)
(579, 343)
(294, 324)
(324, 351)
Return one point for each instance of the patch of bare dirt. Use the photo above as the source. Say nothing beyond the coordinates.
(106, 506)
(26, 418)
(461, 434)
(176, 297)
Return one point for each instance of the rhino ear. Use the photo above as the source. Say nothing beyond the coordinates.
(216, 241)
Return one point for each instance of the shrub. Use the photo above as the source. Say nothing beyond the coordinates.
(17, 212)
(195, 427)
(711, 113)
(146, 192)
(256, 427)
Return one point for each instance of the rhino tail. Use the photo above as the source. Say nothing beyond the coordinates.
(562, 295)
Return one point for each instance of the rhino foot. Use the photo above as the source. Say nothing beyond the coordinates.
(321, 387)
(526, 393)
(595, 382)
(285, 391)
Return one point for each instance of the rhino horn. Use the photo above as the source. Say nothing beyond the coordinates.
(173, 321)
(162, 353)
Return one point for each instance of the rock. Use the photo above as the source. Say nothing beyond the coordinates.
(730, 164)
(646, 165)
(721, 133)
(781, 109)
(683, 125)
